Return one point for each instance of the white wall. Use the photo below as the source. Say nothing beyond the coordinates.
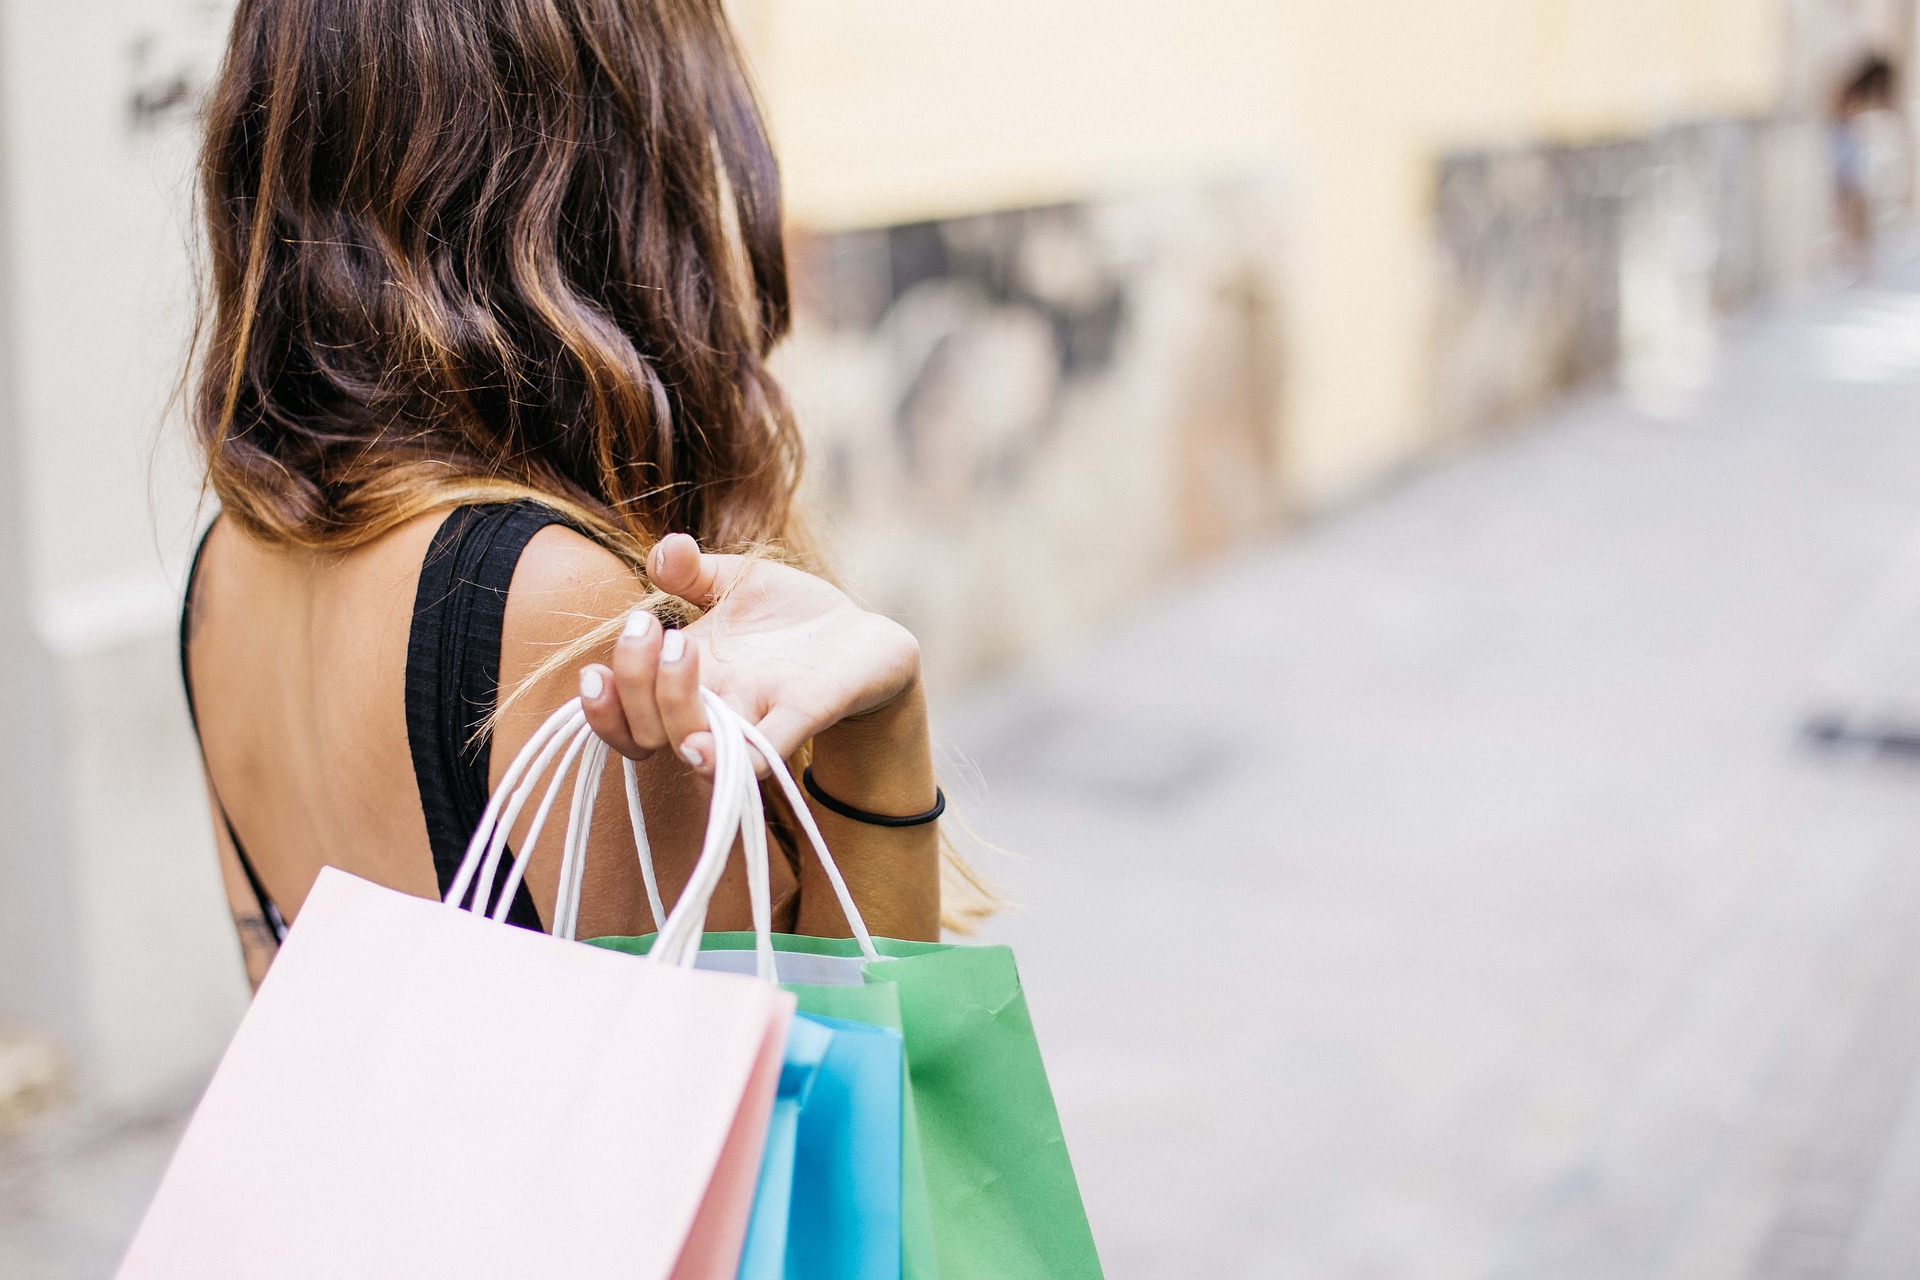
(120, 868)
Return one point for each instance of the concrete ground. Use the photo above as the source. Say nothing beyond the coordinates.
(71, 1194)
(1449, 891)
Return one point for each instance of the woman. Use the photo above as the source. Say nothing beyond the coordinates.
(1871, 89)
(483, 370)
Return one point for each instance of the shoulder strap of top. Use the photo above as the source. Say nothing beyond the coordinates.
(453, 673)
(268, 912)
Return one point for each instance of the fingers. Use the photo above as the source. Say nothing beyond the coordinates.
(650, 697)
(678, 567)
(600, 699)
(619, 700)
(636, 665)
(677, 694)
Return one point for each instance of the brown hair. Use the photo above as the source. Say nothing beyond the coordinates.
(465, 250)
(462, 248)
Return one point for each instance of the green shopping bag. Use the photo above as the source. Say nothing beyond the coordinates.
(1002, 1201)
(877, 1005)
(1000, 1188)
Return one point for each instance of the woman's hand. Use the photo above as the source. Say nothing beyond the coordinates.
(786, 649)
(792, 653)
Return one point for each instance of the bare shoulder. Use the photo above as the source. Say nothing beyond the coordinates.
(565, 588)
(565, 585)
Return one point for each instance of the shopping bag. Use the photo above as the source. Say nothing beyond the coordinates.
(828, 1203)
(999, 1186)
(845, 1221)
(764, 1257)
(418, 1092)
(1002, 1201)
(877, 1005)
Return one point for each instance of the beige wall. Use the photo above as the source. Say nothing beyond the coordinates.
(889, 111)
(1389, 85)
(115, 845)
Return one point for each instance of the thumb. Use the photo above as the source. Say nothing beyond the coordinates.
(678, 567)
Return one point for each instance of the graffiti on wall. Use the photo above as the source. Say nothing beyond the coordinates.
(1016, 420)
(172, 53)
(1561, 265)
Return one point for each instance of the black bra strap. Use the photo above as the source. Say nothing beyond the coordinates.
(268, 912)
(453, 673)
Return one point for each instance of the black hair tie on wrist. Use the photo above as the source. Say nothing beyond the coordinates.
(846, 810)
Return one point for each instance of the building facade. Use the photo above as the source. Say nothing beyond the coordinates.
(1089, 291)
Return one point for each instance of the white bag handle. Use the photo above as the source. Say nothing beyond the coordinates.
(678, 941)
(565, 734)
(798, 803)
(736, 811)
(490, 837)
(630, 773)
(733, 733)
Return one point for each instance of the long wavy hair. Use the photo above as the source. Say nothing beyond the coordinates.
(467, 250)
(461, 248)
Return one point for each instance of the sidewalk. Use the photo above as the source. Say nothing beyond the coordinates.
(1447, 891)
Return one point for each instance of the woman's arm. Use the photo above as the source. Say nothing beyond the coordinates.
(881, 762)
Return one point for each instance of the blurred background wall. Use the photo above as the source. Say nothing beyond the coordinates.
(1091, 289)
(1088, 291)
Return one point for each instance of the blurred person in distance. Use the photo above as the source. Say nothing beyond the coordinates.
(1868, 95)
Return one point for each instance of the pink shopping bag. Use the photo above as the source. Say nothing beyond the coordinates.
(418, 1092)
(421, 1093)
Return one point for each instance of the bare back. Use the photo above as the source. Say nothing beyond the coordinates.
(298, 666)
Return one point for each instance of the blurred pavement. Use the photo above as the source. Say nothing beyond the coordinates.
(1446, 891)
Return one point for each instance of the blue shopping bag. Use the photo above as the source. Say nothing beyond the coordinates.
(828, 1203)
(763, 1257)
(845, 1220)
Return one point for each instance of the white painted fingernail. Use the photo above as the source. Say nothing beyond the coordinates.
(639, 625)
(673, 648)
(591, 684)
(692, 756)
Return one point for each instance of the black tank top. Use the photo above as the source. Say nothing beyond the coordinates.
(453, 681)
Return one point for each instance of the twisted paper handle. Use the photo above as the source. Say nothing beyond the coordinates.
(736, 812)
